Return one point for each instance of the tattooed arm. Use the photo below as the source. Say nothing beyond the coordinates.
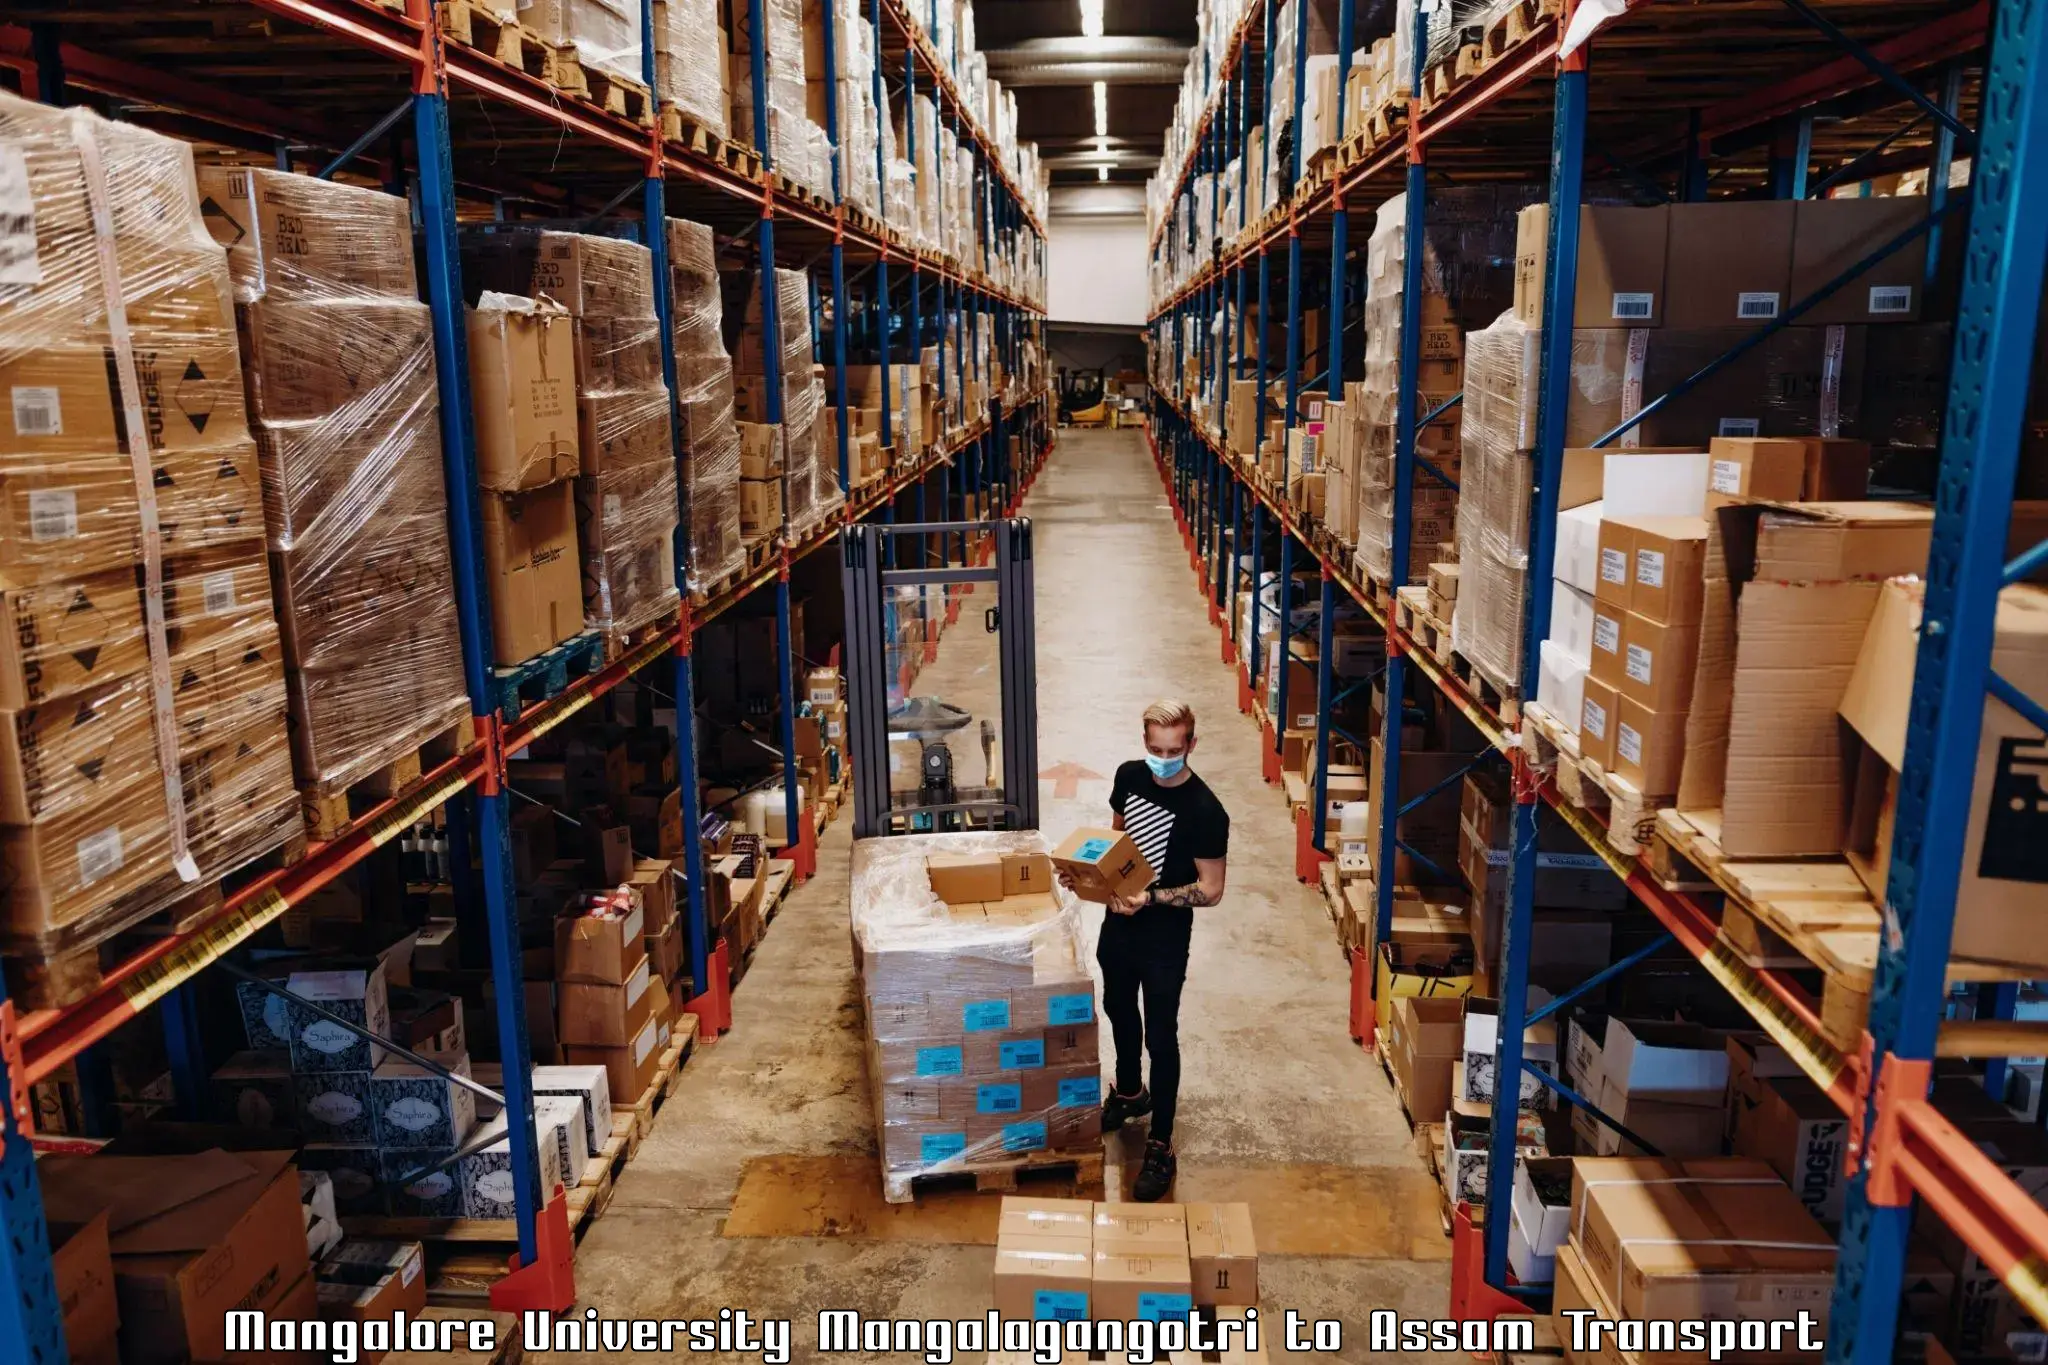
(1206, 889)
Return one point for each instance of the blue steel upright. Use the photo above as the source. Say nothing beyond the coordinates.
(458, 463)
(839, 170)
(1560, 285)
(31, 1313)
(1996, 325)
(1340, 228)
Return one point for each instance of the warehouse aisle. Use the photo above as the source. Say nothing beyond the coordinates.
(758, 1188)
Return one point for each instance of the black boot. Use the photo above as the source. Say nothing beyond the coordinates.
(1155, 1177)
(1117, 1108)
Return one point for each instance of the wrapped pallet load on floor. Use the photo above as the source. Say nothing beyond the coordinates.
(142, 684)
(339, 356)
(981, 1026)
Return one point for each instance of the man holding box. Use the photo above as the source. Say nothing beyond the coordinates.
(1184, 833)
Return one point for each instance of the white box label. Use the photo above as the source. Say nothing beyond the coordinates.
(1751, 307)
(1891, 298)
(1725, 476)
(20, 267)
(1594, 721)
(644, 1044)
(637, 985)
(52, 514)
(1650, 568)
(38, 410)
(1639, 664)
(1606, 634)
(1630, 744)
(1613, 566)
(1634, 307)
(99, 855)
(219, 592)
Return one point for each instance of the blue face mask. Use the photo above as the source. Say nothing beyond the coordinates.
(1165, 769)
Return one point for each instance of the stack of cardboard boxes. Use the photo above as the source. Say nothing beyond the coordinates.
(613, 1009)
(980, 1017)
(689, 61)
(713, 450)
(795, 145)
(1072, 1260)
(142, 686)
(850, 69)
(798, 484)
(522, 376)
(339, 356)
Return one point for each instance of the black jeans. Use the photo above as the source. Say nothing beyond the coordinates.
(1147, 953)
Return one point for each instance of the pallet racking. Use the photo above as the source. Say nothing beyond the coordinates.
(1678, 78)
(468, 133)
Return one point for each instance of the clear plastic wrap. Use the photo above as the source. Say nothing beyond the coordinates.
(952, 994)
(810, 490)
(1801, 381)
(704, 397)
(689, 61)
(339, 357)
(135, 553)
(788, 143)
(1501, 368)
(604, 34)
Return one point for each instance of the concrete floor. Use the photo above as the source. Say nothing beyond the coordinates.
(1275, 1096)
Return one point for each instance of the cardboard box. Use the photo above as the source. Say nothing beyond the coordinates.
(1479, 1028)
(1425, 1040)
(1763, 742)
(603, 1015)
(319, 1044)
(1777, 1115)
(1541, 1212)
(522, 383)
(1141, 1281)
(1998, 901)
(1026, 874)
(1663, 1244)
(82, 1262)
(761, 450)
(1621, 265)
(299, 237)
(1067, 1218)
(1614, 579)
(1609, 664)
(1649, 747)
(1103, 863)
(629, 1070)
(965, 879)
(1223, 1254)
(1665, 1082)
(486, 1173)
(533, 569)
(192, 1238)
(1044, 1277)
(601, 949)
(1658, 663)
(415, 1107)
(1141, 1225)
(1837, 469)
(590, 1087)
(760, 506)
(1666, 560)
(1765, 467)
(1730, 262)
(1830, 235)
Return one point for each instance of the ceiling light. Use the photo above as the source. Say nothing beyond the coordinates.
(1101, 109)
(1091, 18)
(1102, 172)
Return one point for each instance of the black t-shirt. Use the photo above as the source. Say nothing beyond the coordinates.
(1172, 826)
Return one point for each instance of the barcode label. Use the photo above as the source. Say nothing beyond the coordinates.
(1614, 566)
(52, 514)
(20, 267)
(219, 591)
(1606, 634)
(1593, 720)
(1740, 426)
(1726, 476)
(1639, 664)
(38, 411)
(1891, 298)
(1750, 307)
(1634, 307)
(1650, 568)
(1630, 744)
(99, 855)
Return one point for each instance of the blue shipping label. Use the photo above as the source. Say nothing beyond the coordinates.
(1024, 1137)
(998, 1099)
(940, 1061)
(1060, 1305)
(1020, 1056)
(942, 1146)
(985, 1016)
(1070, 1009)
(1159, 1307)
(1080, 1091)
(1091, 851)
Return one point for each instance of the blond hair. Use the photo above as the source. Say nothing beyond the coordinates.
(1170, 714)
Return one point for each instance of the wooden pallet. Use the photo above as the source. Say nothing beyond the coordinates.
(1629, 815)
(1003, 1177)
(40, 979)
(619, 643)
(547, 674)
(759, 551)
(638, 1117)
(509, 1346)
(780, 875)
(330, 810)
(614, 94)
(512, 43)
(680, 128)
(1510, 28)
(717, 587)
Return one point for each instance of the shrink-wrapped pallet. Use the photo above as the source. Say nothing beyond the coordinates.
(339, 356)
(145, 746)
(689, 61)
(704, 398)
(1501, 367)
(981, 1026)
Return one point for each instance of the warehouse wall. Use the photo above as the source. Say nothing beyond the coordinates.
(1096, 245)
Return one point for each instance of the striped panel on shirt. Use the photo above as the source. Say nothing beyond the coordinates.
(1150, 828)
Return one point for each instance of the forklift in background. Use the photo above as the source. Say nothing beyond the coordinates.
(888, 728)
(1084, 397)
